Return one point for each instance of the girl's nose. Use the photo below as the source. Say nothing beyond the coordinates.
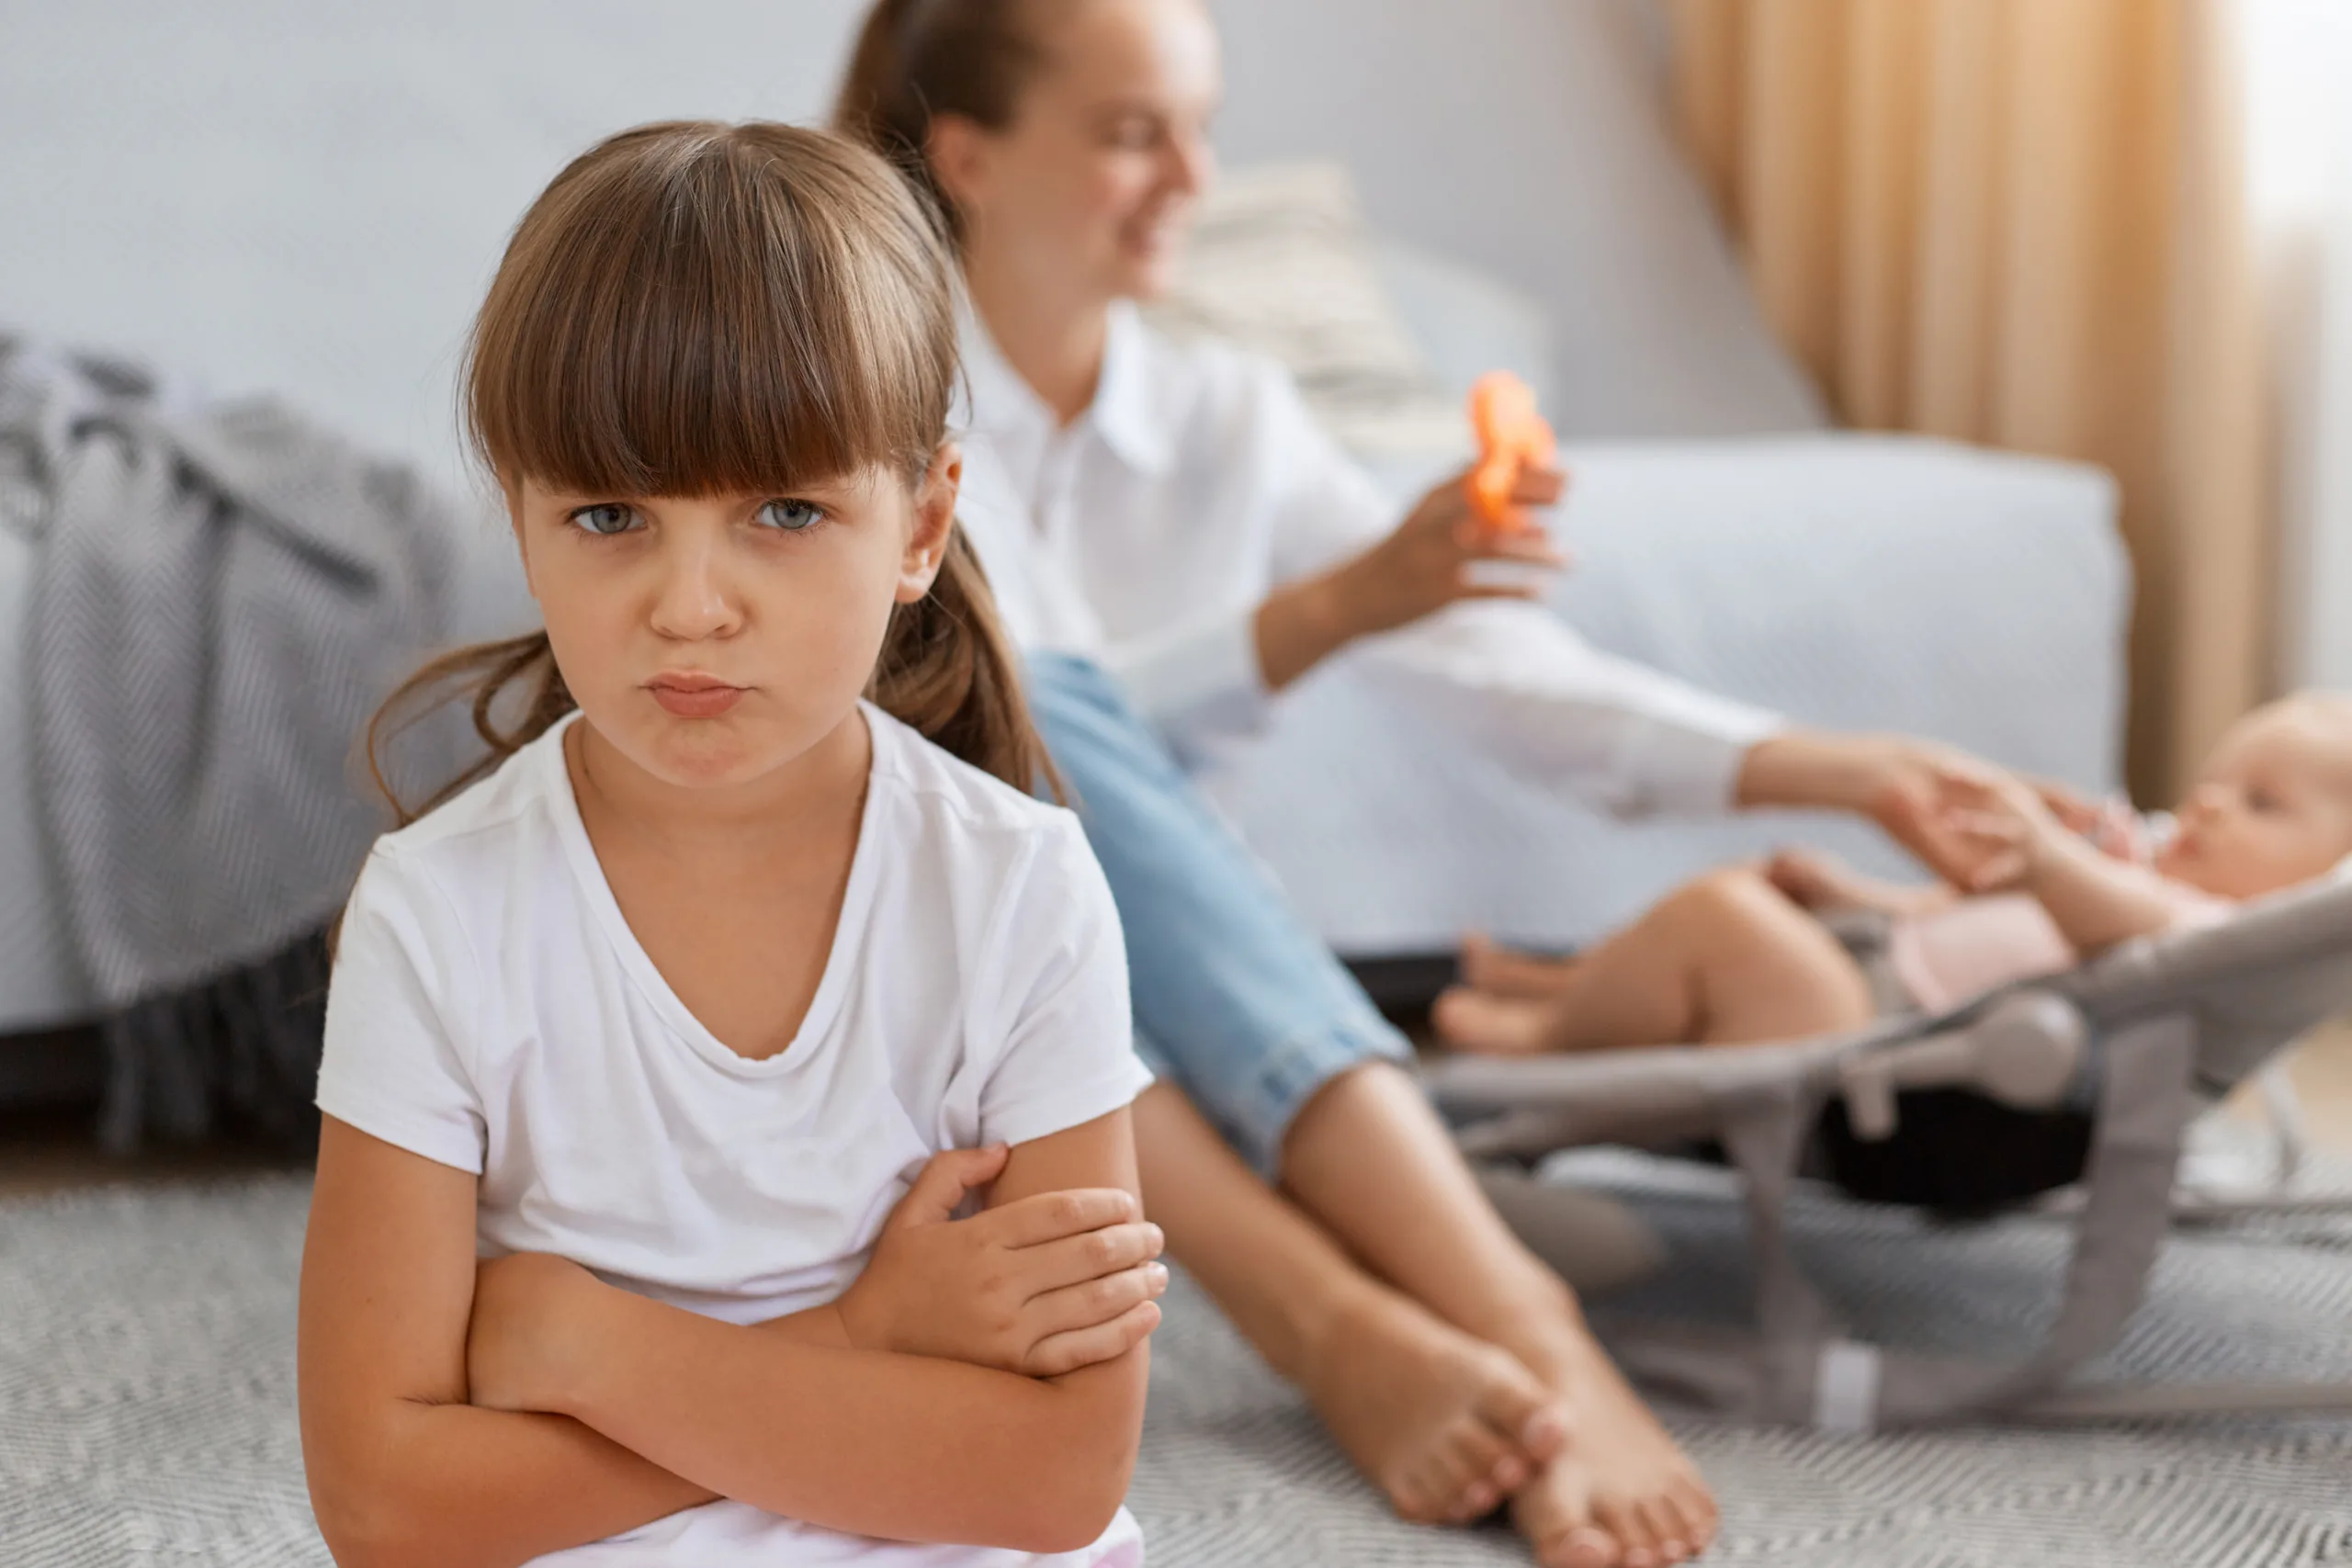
(693, 602)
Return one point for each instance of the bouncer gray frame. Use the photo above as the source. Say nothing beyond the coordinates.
(2143, 1037)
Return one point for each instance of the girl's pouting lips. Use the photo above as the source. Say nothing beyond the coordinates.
(693, 694)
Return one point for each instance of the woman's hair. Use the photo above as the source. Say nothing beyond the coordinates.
(698, 309)
(916, 59)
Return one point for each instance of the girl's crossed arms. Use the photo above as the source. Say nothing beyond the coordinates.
(747, 924)
(589, 1404)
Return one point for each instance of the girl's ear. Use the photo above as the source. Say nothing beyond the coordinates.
(935, 522)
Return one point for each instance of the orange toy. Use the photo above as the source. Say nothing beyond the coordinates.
(1511, 436)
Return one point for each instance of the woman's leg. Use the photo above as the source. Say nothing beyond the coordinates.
(1259, 1021)
(1370, 1158)
(1725, 960)
(1418, 1405)
(1230, 991)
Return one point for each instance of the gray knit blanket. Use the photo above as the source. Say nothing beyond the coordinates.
(222, 591)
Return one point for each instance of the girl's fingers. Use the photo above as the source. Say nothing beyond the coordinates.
(1073, 1260)
(940, 1187)
(1062, 1353)
(1054, 1216)
(1075, 1307)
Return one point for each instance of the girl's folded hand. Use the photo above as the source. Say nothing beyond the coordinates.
(1042, 1286)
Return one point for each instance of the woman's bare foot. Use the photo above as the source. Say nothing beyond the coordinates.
(1622, 1495)
(1446, 1425)
(1487, 965)
(1490, 1023)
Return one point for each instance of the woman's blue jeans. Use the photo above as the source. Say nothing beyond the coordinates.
(1236, 1000)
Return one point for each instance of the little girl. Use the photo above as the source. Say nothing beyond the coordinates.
(1748, 953)
(695, 1009)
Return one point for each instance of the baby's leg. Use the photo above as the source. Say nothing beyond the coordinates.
(1723, 960)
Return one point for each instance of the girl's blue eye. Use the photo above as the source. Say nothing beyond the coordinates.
(604, 519)
(791, 516)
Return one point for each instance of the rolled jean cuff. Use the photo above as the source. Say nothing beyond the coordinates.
(1256, 1112)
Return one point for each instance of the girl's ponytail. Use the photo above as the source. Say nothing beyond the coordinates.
(947, 671)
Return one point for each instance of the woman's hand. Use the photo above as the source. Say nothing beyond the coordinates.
(532, 1328)
(2001, 830)
(1426, 564)
(1042, 1286)
(1898, 782)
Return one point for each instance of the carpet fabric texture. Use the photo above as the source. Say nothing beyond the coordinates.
(147, 1403)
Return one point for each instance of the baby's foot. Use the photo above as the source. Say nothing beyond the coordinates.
(1624, 1495)
(1446, 1425)
(1486, 966)
(1490, 1023)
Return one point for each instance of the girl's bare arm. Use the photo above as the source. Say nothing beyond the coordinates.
(402, 1471)
(901, 1446)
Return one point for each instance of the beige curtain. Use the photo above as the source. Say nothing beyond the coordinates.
(2021, 222)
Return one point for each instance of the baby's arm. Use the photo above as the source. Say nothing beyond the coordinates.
(901, 1446)
(2093, 899)
(2097, 900)
(402, 1471)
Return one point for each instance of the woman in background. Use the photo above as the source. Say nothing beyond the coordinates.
(1172, 515)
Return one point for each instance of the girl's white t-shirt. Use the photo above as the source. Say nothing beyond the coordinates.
(491, 1011)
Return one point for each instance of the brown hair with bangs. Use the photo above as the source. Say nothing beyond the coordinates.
(701, 308)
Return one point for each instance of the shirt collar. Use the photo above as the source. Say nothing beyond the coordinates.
(1122, 413)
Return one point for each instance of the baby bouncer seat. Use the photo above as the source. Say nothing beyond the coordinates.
(2115, 1057)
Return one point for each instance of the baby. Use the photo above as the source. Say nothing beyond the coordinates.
(1802, 945)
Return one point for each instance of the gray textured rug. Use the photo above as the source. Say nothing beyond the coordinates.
(147, 1405)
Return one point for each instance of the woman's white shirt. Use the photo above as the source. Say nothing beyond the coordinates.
(1147, 532)
(491, 1011)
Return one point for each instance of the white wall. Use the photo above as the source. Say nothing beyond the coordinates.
(310, 198)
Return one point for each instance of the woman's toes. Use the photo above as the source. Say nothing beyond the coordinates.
(1694, 1517)
(1517, 1408)
(1636, 1546)
(1554, 1511)
(1668, 1537)
(1587, 1546)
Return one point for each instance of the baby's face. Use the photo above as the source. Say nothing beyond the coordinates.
(2274, 806)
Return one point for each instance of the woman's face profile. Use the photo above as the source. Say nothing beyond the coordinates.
(1089, 189)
